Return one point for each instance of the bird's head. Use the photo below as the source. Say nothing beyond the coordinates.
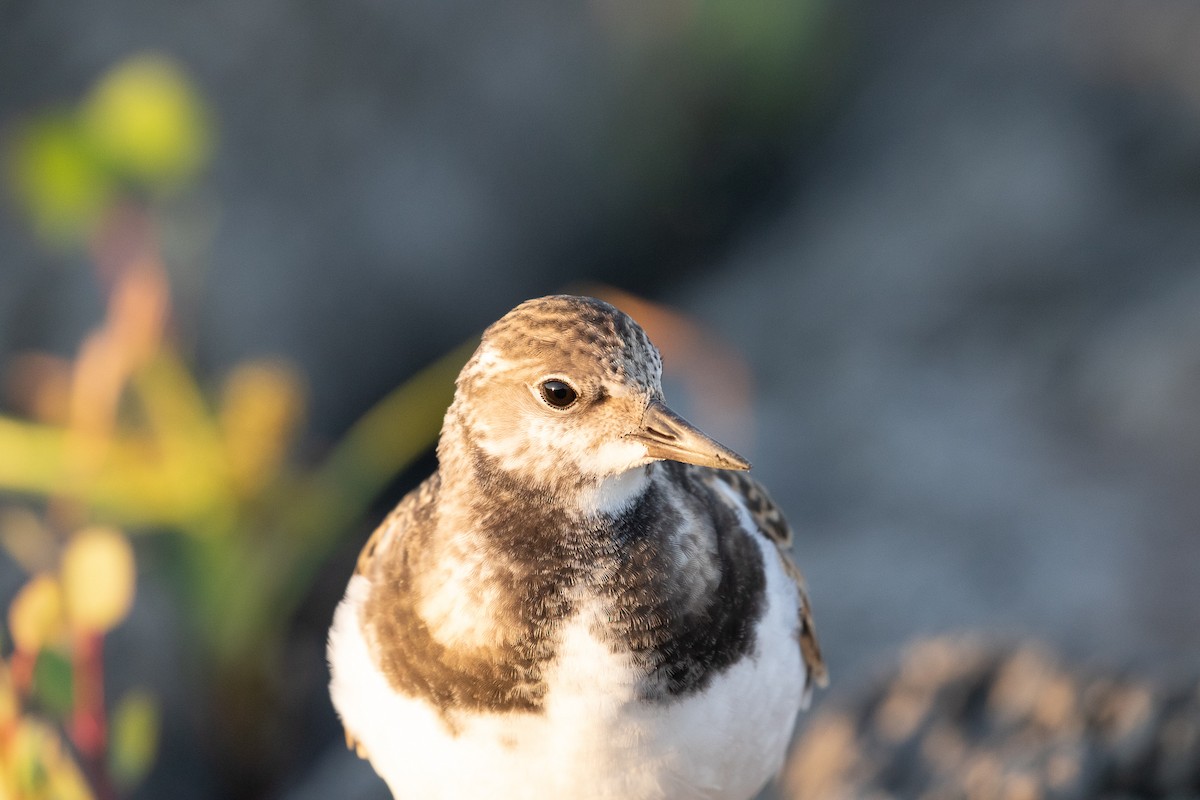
(566, 388)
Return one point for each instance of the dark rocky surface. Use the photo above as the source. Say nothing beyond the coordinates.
(960, 718)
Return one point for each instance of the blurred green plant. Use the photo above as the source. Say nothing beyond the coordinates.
(142, 129)
(760, 56)
(124, 438)
(57, 623)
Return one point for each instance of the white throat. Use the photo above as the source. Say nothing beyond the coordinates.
(615, 494)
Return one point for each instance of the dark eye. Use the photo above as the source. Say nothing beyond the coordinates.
(558, 394)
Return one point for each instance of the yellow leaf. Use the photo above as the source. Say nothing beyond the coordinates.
(35, 616)
(41, 767)
(147, 119)
(98, 578)
(261, 405)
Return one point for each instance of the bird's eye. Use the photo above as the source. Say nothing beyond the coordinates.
(558, 393)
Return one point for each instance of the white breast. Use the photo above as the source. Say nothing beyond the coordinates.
(594, 740)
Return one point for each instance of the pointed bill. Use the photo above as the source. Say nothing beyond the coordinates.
(669, 436)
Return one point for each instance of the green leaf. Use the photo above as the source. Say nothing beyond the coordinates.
(52, 683)
(57, 177)
(134, 738)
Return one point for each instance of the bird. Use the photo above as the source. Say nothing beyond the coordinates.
(589, 598)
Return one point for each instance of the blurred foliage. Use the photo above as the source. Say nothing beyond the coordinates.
(34, 764)
(148, 122)
(143, 127)
(135, 726)
(56, 178)
(97, 578)
(56, 623)
(123, 439)
(758, 53)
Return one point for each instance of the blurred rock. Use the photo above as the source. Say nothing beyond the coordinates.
(973, 335)
(962, 718)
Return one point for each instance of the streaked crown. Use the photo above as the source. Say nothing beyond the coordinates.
(579, 333)
(564, 392)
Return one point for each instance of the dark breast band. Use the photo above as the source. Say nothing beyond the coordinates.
(627, 562)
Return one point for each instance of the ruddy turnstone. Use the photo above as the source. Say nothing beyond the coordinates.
(588, 599)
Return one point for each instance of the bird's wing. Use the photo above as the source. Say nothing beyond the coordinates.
(403, 517)
(770, 521)
(381, 544)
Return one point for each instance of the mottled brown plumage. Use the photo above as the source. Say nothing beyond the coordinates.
(584, 572)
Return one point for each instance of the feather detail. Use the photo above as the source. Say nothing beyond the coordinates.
(772, 524)
(401, 518)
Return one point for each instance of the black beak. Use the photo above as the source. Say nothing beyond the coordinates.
(670, 437)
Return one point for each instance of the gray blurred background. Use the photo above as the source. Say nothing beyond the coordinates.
(957, 244)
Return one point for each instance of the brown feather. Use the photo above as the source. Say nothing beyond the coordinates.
(400, 520)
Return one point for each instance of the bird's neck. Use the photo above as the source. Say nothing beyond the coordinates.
(615, 494)
(483, 486)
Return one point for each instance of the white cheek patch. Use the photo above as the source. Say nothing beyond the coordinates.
(502, 446)
(612, 457)
(528, 443)
(524, 438)
(511, 431)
